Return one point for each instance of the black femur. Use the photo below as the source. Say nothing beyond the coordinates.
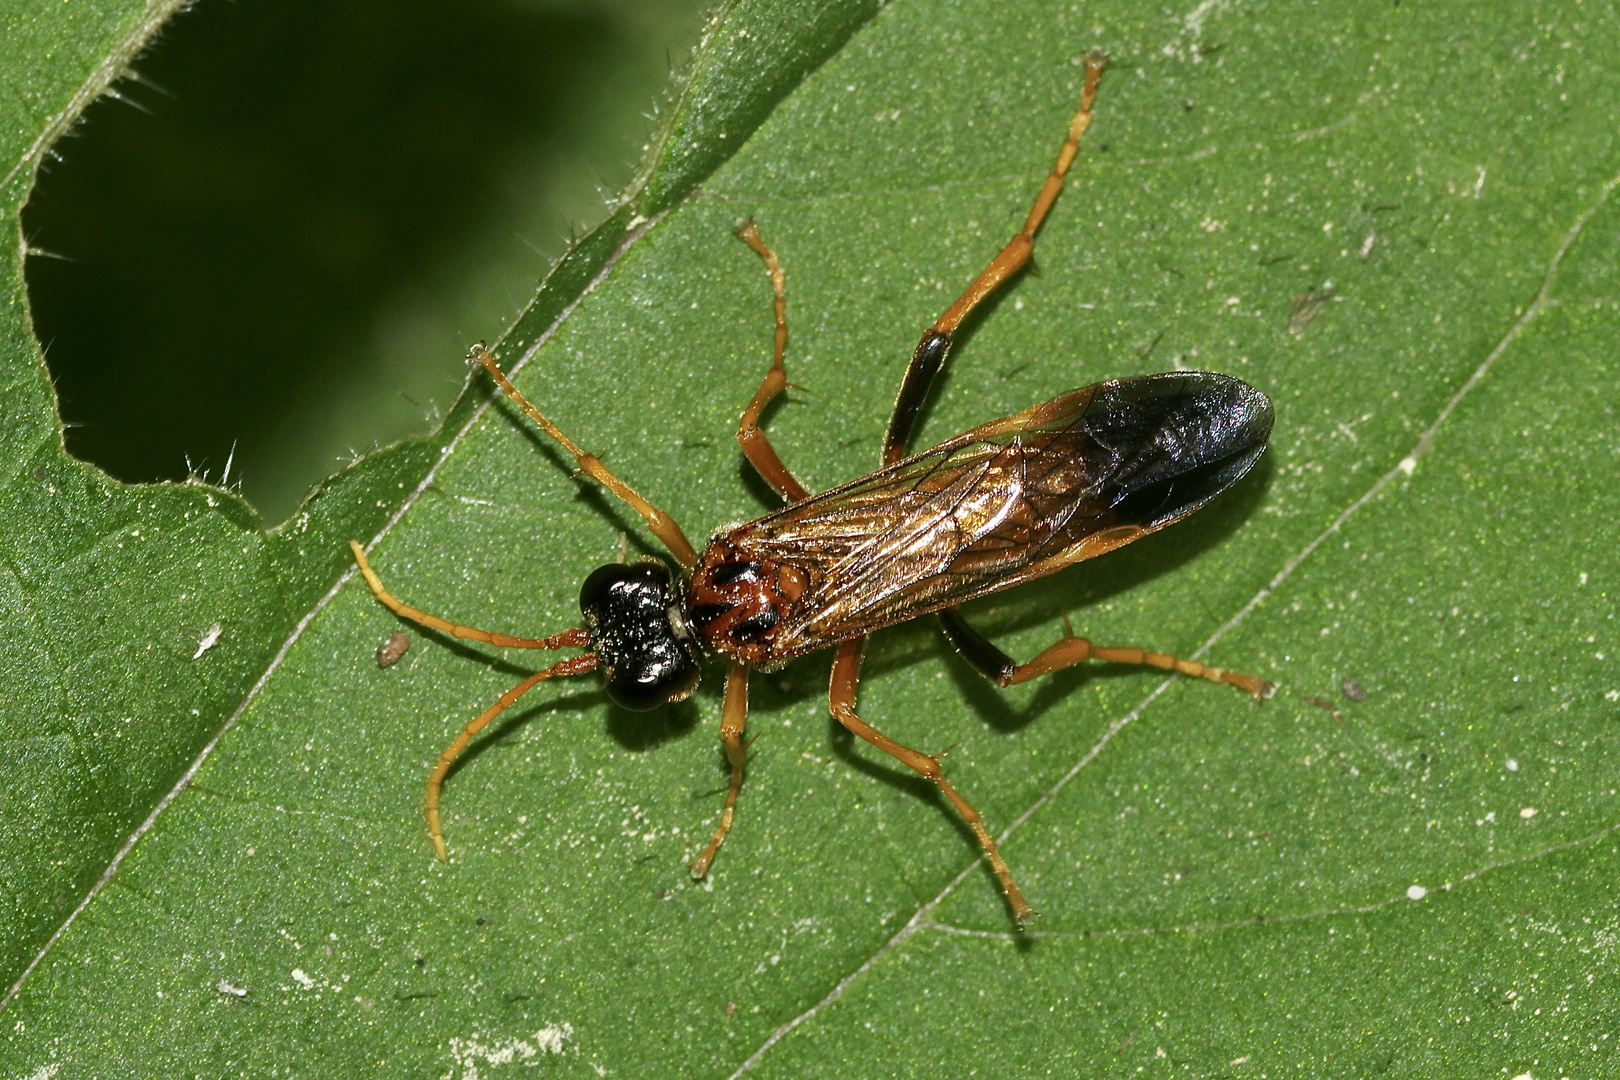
(646, 656)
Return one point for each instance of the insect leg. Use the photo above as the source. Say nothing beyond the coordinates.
(755, 446)
(733, 717)
(577, 665)
(936, 342)
(662, 525)
(568, 639)
(841, 700)
(1002, 670)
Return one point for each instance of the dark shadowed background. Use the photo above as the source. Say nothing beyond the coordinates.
(290, 224)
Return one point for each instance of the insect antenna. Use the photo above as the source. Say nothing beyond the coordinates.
(576, 638)
(568, 639)
(575, 665)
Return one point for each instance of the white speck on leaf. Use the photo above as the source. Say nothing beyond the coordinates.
(468, 1052)
(209, 639)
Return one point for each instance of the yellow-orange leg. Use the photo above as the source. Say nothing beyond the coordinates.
(568, 639)
(1000, 668)
(1076, 650)
(577, 665)
(755, 446)
(846, 673)
(936, 341)
(733, 718)
(662, 525)
(1013, 257)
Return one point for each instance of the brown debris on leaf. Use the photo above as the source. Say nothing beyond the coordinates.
(392, 650)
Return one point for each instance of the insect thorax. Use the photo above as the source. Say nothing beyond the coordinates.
(735, 601)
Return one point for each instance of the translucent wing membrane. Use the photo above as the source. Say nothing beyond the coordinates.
(1009, 501)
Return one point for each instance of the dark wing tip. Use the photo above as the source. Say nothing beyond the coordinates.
(1181, 437)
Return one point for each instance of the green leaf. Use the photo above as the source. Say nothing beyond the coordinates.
(137, 618)
(141, 617)
(102, 587)
(1397, 221)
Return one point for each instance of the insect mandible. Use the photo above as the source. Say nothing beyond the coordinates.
(1007, 502)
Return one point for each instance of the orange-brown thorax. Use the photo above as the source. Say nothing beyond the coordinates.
(734, 601)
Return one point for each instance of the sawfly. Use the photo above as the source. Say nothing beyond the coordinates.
(1010, 501)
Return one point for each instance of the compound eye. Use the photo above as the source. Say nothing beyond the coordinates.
(640, 687)
(617, 587)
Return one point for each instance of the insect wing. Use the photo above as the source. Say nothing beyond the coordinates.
(1009, 501)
